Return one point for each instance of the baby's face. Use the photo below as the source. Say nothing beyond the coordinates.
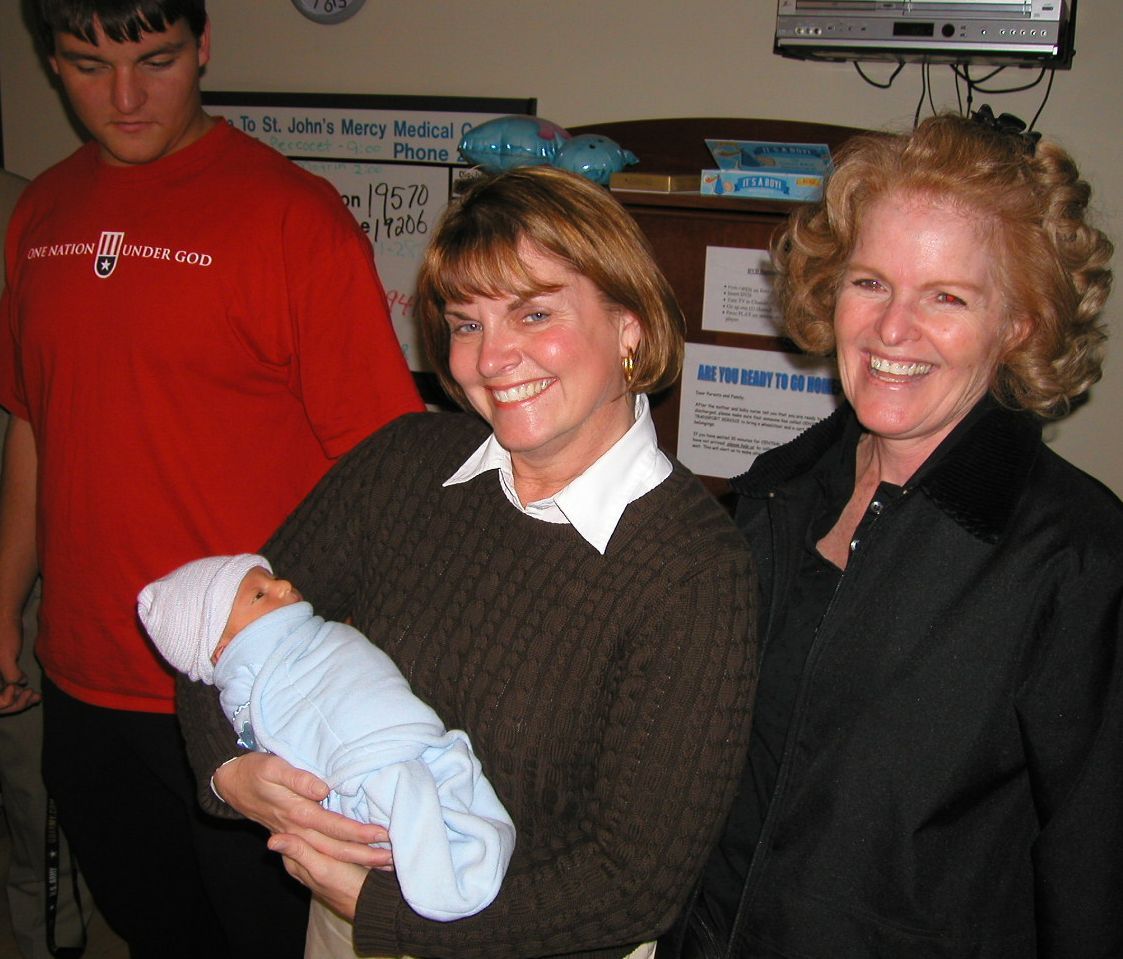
(259, 593)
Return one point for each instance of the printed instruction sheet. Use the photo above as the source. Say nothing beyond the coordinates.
(737, 403)
(737, 297)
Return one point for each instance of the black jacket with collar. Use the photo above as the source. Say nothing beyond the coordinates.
(952, 781)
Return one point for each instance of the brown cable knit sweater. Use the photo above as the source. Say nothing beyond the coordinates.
(607, 696)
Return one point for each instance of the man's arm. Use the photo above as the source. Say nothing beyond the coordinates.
(18, 560)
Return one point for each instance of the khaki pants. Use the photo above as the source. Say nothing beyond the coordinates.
(25, 806)
(329, 937)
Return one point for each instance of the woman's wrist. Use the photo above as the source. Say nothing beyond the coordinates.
(214, 787)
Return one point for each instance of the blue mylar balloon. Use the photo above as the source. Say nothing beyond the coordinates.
(513, 141)
(594, 157)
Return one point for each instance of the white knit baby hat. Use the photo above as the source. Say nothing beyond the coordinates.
(186, 611)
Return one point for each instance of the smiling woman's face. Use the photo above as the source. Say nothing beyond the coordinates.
(920, 321)
(545, 370)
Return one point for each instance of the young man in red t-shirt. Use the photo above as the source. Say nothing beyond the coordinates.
(193, 332)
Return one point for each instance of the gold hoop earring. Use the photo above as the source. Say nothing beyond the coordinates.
(629, 365)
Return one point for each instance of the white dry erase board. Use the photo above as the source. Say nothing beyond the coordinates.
(393, 160)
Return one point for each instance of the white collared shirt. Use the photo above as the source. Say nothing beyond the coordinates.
(593, 502)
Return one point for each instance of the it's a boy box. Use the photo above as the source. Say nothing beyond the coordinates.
(760, 168)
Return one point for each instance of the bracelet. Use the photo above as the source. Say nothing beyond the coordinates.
(217, 794)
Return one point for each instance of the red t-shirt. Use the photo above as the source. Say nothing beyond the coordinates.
(193, 341)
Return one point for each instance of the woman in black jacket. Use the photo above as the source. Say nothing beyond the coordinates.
(936, 767)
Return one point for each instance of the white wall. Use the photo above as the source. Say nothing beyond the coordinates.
(590, 61)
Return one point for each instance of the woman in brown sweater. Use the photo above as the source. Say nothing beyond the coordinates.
(547, 580)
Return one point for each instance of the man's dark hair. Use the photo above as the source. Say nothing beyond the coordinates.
(121, 20)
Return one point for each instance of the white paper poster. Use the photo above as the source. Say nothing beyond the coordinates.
(394, 161)
(738, 403)
(738, 292)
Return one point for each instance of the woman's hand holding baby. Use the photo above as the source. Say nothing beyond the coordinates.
(286, 801)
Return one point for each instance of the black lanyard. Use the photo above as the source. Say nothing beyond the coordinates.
(53, 856)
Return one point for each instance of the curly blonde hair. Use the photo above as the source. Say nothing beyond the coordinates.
(1055, 272)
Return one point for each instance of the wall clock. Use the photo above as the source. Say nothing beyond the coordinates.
(328, 11)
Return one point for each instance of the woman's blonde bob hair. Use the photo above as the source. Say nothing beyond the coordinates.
(481, 240)
(1054, 266)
